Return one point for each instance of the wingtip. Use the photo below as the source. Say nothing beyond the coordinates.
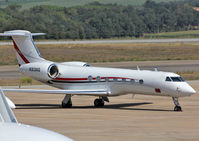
(10, 103)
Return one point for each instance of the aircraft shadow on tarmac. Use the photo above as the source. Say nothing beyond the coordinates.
(121, 106)
(37, 106)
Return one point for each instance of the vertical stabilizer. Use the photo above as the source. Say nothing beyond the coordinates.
(24, 45)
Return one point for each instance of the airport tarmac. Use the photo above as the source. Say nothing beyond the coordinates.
(143, 118)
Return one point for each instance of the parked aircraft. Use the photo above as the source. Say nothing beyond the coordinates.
(11, 130)
(79, 78)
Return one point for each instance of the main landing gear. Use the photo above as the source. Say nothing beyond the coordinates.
(67, 102)
(177, 105)
(99, 102)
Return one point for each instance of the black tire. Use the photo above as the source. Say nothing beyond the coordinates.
(96, 103)
(99, 103)
(177, 108)
(67, 105)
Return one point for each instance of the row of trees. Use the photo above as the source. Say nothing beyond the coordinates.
(101, 20)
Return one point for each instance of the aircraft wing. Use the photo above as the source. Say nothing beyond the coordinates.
(6, 114)
(73, 92)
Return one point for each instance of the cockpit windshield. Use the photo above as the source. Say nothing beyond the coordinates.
(174, 79)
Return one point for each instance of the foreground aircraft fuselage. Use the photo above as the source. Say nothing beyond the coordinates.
(22, 132)
(11, 130)
(79, 78)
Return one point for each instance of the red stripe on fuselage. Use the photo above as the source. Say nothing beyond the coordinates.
(71, 79)
(20, 53)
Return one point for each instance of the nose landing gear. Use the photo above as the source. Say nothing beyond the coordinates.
(177, 105)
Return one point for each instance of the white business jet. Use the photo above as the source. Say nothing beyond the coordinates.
(79, 78)
(11, 130)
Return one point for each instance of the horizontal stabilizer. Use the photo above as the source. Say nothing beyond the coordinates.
(20, 33)
(38, 34)
(73, 92)
(12, 34)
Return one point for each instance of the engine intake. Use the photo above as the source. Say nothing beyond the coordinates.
(53, 71)
(42, 71)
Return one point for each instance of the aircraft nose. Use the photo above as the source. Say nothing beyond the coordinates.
(187, 89)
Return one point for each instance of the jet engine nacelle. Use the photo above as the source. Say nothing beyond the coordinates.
(76, 63)
(44, 71)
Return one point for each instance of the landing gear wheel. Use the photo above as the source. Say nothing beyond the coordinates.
(67, 105)
(99, 103)
(177, 104)
(177, 108)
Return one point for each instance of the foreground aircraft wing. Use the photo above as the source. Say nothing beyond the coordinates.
(73, 92)
(6, 114)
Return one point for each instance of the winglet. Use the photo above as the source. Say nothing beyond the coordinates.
(10, 103)
(6, 114)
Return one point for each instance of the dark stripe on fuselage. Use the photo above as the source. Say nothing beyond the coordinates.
(78, 81)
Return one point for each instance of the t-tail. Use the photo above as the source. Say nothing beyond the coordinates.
(24, 45)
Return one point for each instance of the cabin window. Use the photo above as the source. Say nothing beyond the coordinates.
(168, 79)
(98, 78)
(181, 79)
(123, 79)
(115, 79)
(141, 81)
(177, 79)
(90, 78)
